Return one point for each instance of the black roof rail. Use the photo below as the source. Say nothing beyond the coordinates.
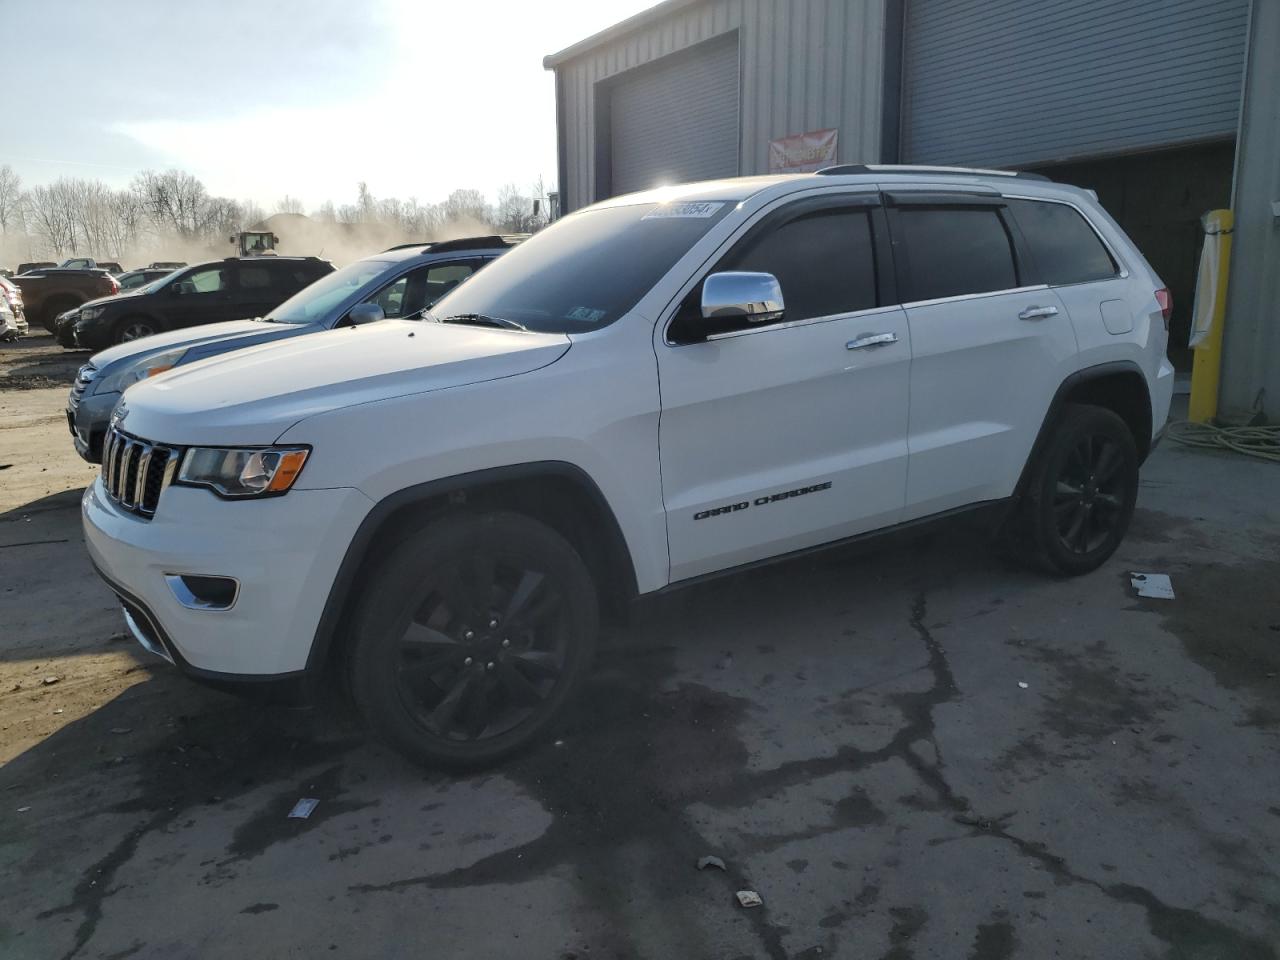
(847, 169)
(490, 242)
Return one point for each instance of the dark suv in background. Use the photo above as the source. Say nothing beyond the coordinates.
(400, 283)
(230, 289)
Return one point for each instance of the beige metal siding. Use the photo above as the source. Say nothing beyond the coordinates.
(806, 65)
(675, 120)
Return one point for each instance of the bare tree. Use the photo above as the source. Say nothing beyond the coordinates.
(288, 204)
(467, 206)
(11, 199)
(516, 211)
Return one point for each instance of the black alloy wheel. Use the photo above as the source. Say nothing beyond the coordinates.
(472, 637)
(1080, 493)
(485, 650)
(1089, 497)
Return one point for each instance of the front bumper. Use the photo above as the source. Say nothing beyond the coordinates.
(88, 416)
(284, 551)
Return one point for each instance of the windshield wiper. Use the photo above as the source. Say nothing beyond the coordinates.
(481, 320)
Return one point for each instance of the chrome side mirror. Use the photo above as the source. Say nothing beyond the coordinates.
(363, 313)
(754, 297)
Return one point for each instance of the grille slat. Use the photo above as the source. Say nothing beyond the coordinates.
(135, 473)
(85, 376)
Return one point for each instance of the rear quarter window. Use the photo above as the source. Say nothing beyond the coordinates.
(1064, 247)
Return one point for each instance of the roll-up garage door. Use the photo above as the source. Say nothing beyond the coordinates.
(676, 120)
(1011, 83)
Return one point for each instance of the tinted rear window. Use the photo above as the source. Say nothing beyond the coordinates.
(954, 251)
(1065, 248)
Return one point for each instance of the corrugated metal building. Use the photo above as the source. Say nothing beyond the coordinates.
(695, 89)
(1137, 99)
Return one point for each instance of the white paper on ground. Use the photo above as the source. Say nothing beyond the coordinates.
(302, 809)
(1155, 585)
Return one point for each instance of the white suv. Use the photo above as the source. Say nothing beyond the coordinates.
(657, 388)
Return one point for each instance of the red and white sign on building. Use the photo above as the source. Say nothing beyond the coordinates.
(803, 152)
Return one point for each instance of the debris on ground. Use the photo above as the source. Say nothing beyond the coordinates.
(23, 809)
(749, 899)
(121, 730)
(1157, 586)
(302, 809)
(704, 862)
(51, 680)
(1023, 684)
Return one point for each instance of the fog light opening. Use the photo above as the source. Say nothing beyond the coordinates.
(198, 592)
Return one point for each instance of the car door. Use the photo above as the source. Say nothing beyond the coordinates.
(202, 295)
(779, 436)
(990, 346)
(260, 287)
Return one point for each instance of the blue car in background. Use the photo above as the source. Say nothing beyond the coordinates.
(399, 283)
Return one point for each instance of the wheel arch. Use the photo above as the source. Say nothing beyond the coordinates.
(1119, 386)
(558, 493)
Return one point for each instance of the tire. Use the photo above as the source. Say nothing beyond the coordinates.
(53, 309)
(134, 328)
(456, 673)
(1080, 494)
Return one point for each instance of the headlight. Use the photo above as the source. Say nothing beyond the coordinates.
(243, 473)
(92, 313)
(131, 373)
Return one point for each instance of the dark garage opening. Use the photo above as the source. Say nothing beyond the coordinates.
(1158, 198)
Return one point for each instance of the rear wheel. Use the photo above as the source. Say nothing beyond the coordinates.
(134, 328)
(53, 309)
(474, 637)
(1081, 494)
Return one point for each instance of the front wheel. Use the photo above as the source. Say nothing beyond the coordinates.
(134, 328)
(1081, 495)
(473, 637)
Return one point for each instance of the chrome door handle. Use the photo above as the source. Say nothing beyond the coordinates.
(1038, 313)
(865, 340)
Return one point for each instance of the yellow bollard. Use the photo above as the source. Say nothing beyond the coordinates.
(1206, 323)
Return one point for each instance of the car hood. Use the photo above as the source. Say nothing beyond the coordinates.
(252, 396)
(190, 336)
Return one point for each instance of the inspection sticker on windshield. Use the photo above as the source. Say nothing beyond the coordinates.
(689, 210)
(586, 314)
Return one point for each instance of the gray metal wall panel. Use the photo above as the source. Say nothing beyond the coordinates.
(676, 120)
(806, 65)
(1251, 334)
(1011, 83)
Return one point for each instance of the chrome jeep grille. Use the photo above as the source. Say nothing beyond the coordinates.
(135, 472)
(87, 374)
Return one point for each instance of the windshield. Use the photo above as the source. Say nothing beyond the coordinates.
(314, 302)
(587, 270)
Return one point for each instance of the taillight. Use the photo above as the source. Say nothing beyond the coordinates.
(115, 288)
(1166, 305)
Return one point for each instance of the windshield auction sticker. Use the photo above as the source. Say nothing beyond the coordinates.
(689, 210)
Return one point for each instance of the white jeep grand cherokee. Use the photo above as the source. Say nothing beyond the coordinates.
(659, 387)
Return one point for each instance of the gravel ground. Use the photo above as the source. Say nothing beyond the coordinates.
(914, 751)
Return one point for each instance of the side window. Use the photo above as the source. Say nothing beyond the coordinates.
(254, 278)
(1065, 248)
(824, 262)
(443, 278)
(391, 297)
(421, 288)
(206, 281)
(955, 251)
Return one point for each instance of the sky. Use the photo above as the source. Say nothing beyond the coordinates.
(298, 97)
